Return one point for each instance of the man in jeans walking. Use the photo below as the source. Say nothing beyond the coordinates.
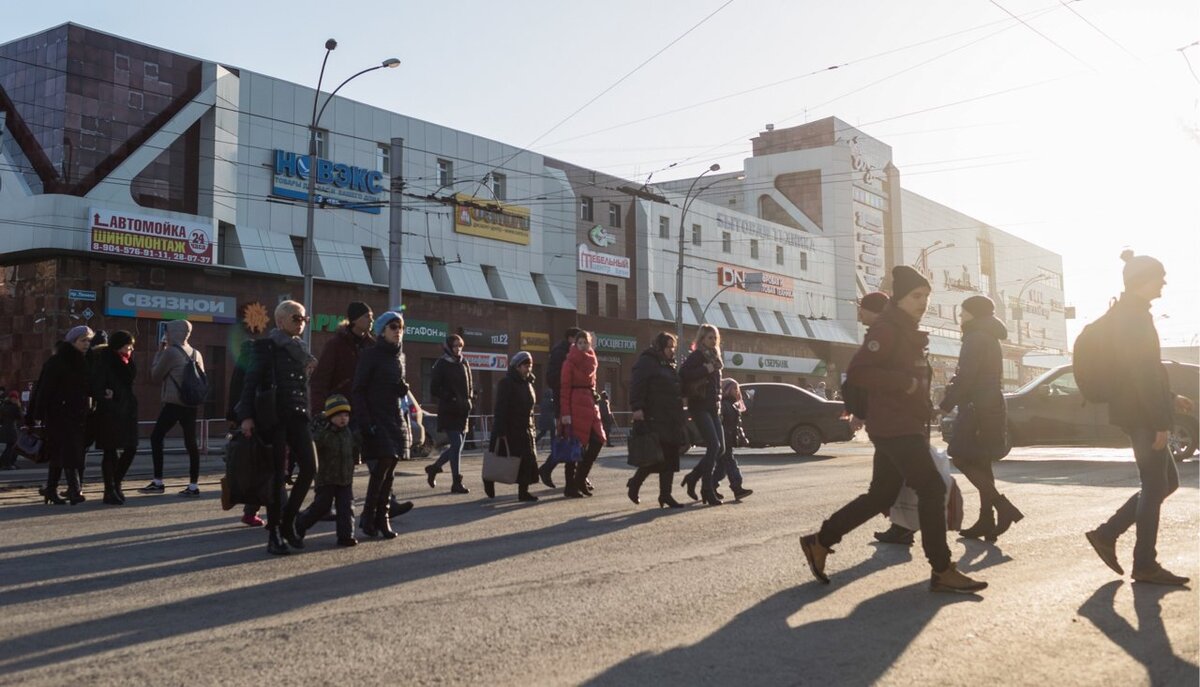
(1144, 407)
(174, 354)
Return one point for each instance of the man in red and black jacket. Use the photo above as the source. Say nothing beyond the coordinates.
(892, 367)
(335, 368)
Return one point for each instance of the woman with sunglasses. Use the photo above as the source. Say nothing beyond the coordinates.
(379, 387)
(282, 361)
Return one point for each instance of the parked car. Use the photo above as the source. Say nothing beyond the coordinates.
(1050, 411)
(786, 415)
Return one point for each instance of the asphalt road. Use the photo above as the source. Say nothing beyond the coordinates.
(169, 590)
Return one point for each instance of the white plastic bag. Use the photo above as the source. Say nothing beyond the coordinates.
(904, 510)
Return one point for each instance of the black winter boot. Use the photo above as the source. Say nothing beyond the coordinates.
(382, 522)
(431, 473)
(74, 491)
(572, 489)
(367, 522)
(634, 485)
(665, 500)
(458, 487)
(107, 468)
(524, 495)
(1006, 515)
(121, 470)
(275, 545)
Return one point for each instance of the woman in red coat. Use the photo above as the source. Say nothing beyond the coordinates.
(580, 414)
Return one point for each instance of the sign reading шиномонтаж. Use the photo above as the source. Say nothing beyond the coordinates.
(169, 305)
(154, 237)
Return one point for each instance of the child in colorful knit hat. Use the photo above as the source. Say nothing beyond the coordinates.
(337, 453)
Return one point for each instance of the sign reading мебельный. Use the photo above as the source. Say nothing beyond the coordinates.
(155, 237)
(169, 305)
(603, 263)
(490, 219)
(338, 184)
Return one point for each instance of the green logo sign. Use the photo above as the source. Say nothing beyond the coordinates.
(426, 331)
(616, 343)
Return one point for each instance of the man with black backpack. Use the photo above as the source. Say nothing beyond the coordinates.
(1118, 361)
(180, 370)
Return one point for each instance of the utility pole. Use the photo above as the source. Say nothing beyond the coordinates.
(396, 228)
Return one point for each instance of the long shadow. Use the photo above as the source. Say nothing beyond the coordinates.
(100, 539)
(759, 646)
(1148, 643)
(88, 638)
(1084, 473)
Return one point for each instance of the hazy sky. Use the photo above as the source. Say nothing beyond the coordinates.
(1075, 125)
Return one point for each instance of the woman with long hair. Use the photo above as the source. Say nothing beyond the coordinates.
(701, 377)
(656, 400)
(580, 416)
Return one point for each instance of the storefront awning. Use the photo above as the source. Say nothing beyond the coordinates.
(834, 331)
(943, 346)
(268, 251)
(342, 262)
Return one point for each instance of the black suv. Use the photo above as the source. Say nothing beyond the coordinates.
(1050, 411)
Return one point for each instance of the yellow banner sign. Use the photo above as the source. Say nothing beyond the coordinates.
(535, 341)
(490, 219)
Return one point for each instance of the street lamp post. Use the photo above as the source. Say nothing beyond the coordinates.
(751, 281)
(923, 257)
(307, 260)
(687, 202)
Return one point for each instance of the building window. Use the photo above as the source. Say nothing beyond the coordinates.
(150, 69)
(592, 304)
(445, 172)
(778, 255)
(611, 301)
(383, 158)
(585, 208)
(696, 234)
(322, 137)
(753, 249)
(664, 227)
(614, 215)
(499, 186)
(804, 262)
(726, 242)
(135, 100)
(121, 62)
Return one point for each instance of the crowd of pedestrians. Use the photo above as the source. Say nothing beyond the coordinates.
(316, 419)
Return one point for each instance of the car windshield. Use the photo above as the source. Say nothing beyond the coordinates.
(1036, 380)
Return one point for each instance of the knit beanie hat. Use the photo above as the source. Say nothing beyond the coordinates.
(979, 307)
(905, 280)
(382, 321)
(874, 302)
(356, 309)
(335, 404)
(76, 332)
(1140, 268)
(520, 357)
(119, 339)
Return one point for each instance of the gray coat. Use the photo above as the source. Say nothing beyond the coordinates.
(169, 362)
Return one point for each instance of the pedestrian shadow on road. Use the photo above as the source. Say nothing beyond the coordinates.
(1085, 473)
(980, 555)
(763, 645)
(1148, 643)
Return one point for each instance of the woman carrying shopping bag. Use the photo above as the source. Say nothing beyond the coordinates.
(512, 424)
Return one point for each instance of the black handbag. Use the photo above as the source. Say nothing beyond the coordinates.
(31, 444)
(645, 451)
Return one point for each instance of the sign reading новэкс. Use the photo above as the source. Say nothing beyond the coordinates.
(338, 184)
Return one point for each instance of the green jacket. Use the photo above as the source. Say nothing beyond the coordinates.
(337, 452)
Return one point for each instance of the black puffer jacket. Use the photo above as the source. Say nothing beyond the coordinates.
(980, 430)
(379, 386)
(701, 387)
(281, 360)
(1146, 400)
(513, 420)
(655, 390)
(115, 420)
(453, 388)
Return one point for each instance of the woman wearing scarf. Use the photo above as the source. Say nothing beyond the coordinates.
(580, 415)
(453, 389)
(116, 417)
(512, 423)
(282, 361)
(701, 377)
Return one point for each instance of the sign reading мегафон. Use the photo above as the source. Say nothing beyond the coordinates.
(169, 305)
(338, 184)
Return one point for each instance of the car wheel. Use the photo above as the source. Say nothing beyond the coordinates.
(805, 440)
(1182, 440)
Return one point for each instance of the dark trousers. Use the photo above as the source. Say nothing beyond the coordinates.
(899, 460)
(293, 439)
(326, 496)
(185, 416)
(1160, 478)
(714, 445)
(113, 468)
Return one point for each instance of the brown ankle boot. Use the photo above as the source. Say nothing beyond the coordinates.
(951, 580)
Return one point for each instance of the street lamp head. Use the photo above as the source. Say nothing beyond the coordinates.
(714, 167)
(330, 44)
(391, 62)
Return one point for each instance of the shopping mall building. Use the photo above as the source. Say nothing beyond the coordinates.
(139, 185)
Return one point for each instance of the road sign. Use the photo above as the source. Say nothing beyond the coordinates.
(88, 314)
(81, 295)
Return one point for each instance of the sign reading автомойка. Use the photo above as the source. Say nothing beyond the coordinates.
(155, 237)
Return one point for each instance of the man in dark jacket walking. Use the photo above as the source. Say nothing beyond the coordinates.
(558, 356)
(335, 368)
(1144, 408)
(892, 367)
(454, 390)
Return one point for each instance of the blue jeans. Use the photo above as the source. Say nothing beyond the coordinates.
(1160, 478)
(714, 445)
(727, 466)
(453, 453)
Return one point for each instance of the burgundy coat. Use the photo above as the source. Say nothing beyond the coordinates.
(335, 368)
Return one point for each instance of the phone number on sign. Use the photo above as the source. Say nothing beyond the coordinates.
(147, 253)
